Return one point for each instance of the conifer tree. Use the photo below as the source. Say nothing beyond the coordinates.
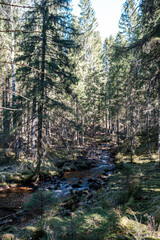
(89, 70)
(46, 51)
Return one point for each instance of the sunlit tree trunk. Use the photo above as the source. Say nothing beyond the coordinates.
(148, 120)
(13, 77)
(33, 124)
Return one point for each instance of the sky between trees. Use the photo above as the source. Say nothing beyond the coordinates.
(107, 13)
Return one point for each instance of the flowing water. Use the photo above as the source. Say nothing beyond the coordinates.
(89, 179)
(81, 179)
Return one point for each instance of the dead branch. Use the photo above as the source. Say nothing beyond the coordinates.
(9, 90)
(13, 5)
(25, 65)
(10, 109)
(6, 19)
(6, 31)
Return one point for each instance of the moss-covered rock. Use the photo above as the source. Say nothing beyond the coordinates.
(39, 234)
(8, 236)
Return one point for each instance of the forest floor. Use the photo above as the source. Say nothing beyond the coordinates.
(128, 207)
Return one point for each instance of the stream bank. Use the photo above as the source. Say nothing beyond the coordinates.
(126, 208)
(86, 180)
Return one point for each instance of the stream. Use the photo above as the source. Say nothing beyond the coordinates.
(78, 182)
(85, 179)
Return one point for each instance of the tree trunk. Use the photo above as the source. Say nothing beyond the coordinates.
(33, 129)
(117, 133)
(159, 112)
(83, 130)
(148, 120)
(131, 133)
(13, 79)
(41, 93)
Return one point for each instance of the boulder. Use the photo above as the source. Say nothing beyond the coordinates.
(91, 180)
(109, 168)
(104, 178)
(79, 193)
(80, 181)
(8, 236)
(95, 186)
(75, 185)
(50, 187)
(105, 157)
(61, 174)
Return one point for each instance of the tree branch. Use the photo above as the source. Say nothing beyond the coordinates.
(144, 40)
(6, 19)
(11, 109)
(25, 65)
(20, 31)
(9, 90)
(13, 5)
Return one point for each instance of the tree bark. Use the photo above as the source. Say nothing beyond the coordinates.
(159, 112)
(148, 120)
(13, 79)
(41, 93)
(33, 129)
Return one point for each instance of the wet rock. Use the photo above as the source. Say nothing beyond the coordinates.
(93, 165)
(72, 203)
(86, 192)
(73, 168)
(80, 181)
(50, 187)
(67, 168)
(90, 180)
(54, 179)
(82, 166)
(79, 193)
(104, 152)
(95, 186)
(56, 187)
(105, 157)
(75, 185)
(110, 168)
(104, 178)
(61, 174)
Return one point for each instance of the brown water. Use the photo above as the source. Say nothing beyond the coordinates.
(81, 177)
(11, 200)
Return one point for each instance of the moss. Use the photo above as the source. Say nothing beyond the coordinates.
(39, 234)
(150, 238)
(8, 236)
(123, 237)
(15, 179)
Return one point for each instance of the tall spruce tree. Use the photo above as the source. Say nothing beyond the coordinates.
(89, 70)
(45, 49)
